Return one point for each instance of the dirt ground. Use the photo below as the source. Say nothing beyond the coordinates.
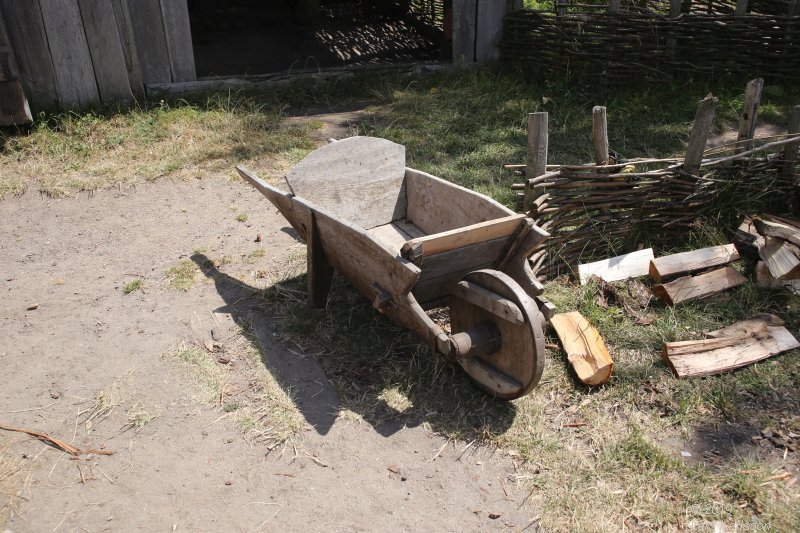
(71, 339)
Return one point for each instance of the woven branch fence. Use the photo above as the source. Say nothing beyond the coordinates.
(602, 210)
(642, 41)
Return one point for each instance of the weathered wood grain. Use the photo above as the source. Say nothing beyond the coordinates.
(600, 135)
(179, 40)
(360, 179)
(703, 120)
(464, 12)
(128, 43)
(700, 286)
(319, 272)
(687, 262)
(14, 108)
(489, 30)
(618, 268)
(72, 62)
(536, 160)
(495, 304)
(780, 257)
(585, 348)
(765, 280)
(105, 47)
(772, 228)
(752, 99)
(151, 40)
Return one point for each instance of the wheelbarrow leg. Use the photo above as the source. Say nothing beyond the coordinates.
(320, 272)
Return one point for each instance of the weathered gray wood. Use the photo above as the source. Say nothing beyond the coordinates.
(747, 121)
(298, 216)
(489, 301)
(687, 262)
(618, 268)
(489, 30)
(771, 228)
(128, 43)
(790, 150)
(703, 120)
(675, 8)
(359, 179)
(391, 236)
(436, 205)
(613, 7)
(72, 61)
(794, 8)
(151, 40)
(700, 286)
(741, 8)
(536, 162)
(105, 47)
(319, 273)
(600, 135)
(765, 280)
(29, 42)
(179, 40)
(464, 12)
(14, 109)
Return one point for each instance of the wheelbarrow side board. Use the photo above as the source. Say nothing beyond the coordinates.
(423, 243)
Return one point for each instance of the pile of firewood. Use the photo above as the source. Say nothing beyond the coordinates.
(776, 242)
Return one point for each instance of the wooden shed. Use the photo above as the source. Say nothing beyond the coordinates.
(65, 54)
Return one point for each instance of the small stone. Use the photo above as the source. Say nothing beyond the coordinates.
(766, 433)
(215, 335)
(204, 433)
(393, 469)
(229, 482)
(494, 516)
(686, 454)
(223, 360)
(259, 238)
(229, 441)
(55, 395)
(33, 306)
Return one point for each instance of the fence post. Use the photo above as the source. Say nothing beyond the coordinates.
(600, 135)
(672, 42)
(703, 120)
(536, 162)
(561, 7)
(741, 8)
(613, 6)
(794, 8)
(464, 14)
(790, 150)
(747, 122)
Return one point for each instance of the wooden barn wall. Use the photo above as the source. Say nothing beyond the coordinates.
(77, 53)
(477, 28)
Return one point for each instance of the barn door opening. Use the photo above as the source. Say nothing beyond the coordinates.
(266, 36)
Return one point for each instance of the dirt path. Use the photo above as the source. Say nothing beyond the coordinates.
(87, 346)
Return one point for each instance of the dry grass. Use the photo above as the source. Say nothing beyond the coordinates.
(181, 275)
(10, 482)
(85, 152)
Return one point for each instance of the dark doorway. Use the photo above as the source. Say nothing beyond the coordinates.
(239, 37)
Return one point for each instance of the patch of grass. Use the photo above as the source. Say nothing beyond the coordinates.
(133, 285)
(258, 253)
(241, 217)
(139, 416)
(182, 275)
(10, 483)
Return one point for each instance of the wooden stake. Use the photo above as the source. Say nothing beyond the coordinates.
(790, 150)
(703, 120)
(600, 135)
(613, 7)
(752, 98)
(536, 163)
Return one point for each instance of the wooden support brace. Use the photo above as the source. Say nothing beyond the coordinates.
(320, 272)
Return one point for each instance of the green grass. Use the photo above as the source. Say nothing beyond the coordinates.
(132, 286)
(241, 217)
(182, 275)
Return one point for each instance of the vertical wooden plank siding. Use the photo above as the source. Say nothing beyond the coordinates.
(105, 47)
(29, 42)
(151, 41)
(489, 30)
(179, 40)
(13, 105)
(128, 43)
(464, 13)
(69, 50)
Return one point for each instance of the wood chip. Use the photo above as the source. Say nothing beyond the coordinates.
(585, 348)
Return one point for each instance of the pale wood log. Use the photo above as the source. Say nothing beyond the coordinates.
(464, 13)
(489, 301)
(733, 347)
(105, 47)
(687, 262)
(600, 135)
(457, 238)
(179, 40)
(752, 99)
(536, 162)
(703, 120)
(586, 351)
(436, 205)
(359, 179)
(72, 62)
(489, 30)
(618, 268)
(772, 228)
(765, 280)
(28, 39)
(780, 257)
(700, 286)
(790, 150)
(151, 41)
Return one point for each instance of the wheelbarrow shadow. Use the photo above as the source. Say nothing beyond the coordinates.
(347, 359)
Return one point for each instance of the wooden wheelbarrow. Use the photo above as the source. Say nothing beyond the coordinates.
(410, 242)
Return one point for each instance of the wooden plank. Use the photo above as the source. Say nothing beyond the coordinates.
(700, 286)
(489, 30)
(151, 41)
(687, 262)
(436, 205)
(28, 40)
(128, 43)
(536, 162)
(179, 40)
(618, 268)
(319, 271)
(359, 179)
(105, 47)
(457, 238)
(770, 228)
(464, 13)
(752, 99)
(72, 61)
(791, 149)
(586, 351)
(781, 258)
(489, 301)
(703, 120)
(600, 135)
(14, 108)
(391, 236)
(739, 345)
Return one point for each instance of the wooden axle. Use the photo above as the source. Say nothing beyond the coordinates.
(481, 339)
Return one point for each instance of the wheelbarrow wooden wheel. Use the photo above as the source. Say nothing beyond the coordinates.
(497, 334)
